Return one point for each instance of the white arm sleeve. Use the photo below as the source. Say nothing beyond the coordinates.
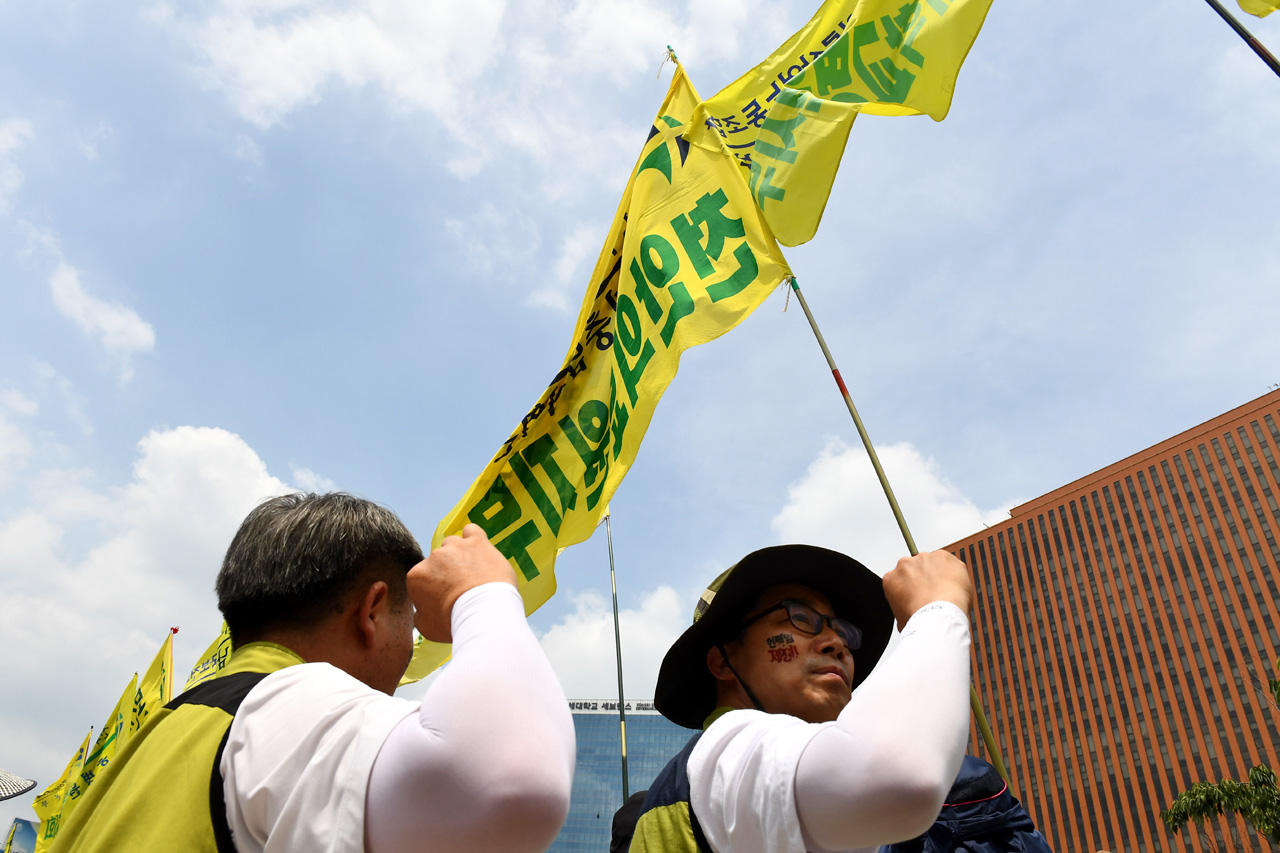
(772, 783)
(881, 773)
(487, 762)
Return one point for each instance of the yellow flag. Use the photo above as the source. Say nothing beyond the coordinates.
(1259, 8)
(212, 661)
(788, 119)
(156, 687)
(115, 731)
(687, 258)
(48, 804)
(22, 836)
(733, 116)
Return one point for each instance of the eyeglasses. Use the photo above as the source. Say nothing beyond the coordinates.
(809, 621)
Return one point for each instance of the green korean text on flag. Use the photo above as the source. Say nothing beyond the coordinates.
(114, 732)
(156, 687)
(213, 661)
(788, 119)
(732, 117)
(687, 258)
(1259, 8)
(48, 804)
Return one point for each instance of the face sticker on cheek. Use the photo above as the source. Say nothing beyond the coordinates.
(777, 641)
(784, 654)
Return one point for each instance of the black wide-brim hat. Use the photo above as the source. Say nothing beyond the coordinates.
(686, 691)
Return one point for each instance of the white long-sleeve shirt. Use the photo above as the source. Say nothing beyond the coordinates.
(772, 783)
(318, 761)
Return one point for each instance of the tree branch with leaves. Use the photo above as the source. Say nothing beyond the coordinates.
(1257, 800)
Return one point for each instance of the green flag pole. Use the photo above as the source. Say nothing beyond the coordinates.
(617, 640)
(974, 703)
(1255, 45)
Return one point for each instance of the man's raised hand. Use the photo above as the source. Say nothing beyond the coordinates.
(924, 579)
(459, 564)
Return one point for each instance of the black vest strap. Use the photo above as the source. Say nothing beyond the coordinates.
(697, 831)
(225, 693)
(672, 786)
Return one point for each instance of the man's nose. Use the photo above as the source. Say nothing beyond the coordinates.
(829, 642)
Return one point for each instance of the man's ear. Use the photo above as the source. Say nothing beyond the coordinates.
(717, 666)
(371, 609)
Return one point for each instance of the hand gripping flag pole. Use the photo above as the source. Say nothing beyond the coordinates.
(1254, 44)
(974, 703)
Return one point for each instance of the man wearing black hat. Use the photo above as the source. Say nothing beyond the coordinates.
(790, 758)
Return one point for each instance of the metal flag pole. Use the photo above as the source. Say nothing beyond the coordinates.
(1254, 44)
(974, 702)
(617, 642)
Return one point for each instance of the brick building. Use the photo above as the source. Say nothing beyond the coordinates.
(1125, 626)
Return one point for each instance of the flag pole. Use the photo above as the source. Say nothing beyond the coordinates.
(617, 642)
(974, 703)
(1254, 44)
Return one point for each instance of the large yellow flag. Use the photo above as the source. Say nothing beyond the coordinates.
(788, 118)
(687, 258)
(156, 687)
(1259, 8)
(48, 804)
(114, 732)
(213, 661)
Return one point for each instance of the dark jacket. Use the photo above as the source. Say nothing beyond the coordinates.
(980, 816)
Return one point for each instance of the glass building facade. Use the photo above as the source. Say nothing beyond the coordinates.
(652, 740)
(1125, 627)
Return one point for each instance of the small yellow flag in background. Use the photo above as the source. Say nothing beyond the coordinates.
(112, 734)
(156, 687)
(1259, 8)
(212, 661)
(48, 804)
(688, 257)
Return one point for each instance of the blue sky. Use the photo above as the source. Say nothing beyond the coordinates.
(255, 245)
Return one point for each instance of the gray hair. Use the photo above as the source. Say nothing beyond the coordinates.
(297, 558)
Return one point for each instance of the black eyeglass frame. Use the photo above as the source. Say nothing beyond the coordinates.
(849, 633)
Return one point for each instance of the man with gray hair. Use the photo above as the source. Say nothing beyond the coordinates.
(299, 745)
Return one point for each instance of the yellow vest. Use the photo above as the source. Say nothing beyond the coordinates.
(163, 790)
(667, 823)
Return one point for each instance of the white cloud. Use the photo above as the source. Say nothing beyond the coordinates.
(270, 58)
(90, 143)
(15, 445)
(120, 329)
(582, 651)
(498, 244)
(310, 481)
(440, 59)
(73, 403)
(248, 150)
(17, 402)
(117, 327)
(91, 578)
(13, 133)
(569, 275)
(839, 504)
(15, 449)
